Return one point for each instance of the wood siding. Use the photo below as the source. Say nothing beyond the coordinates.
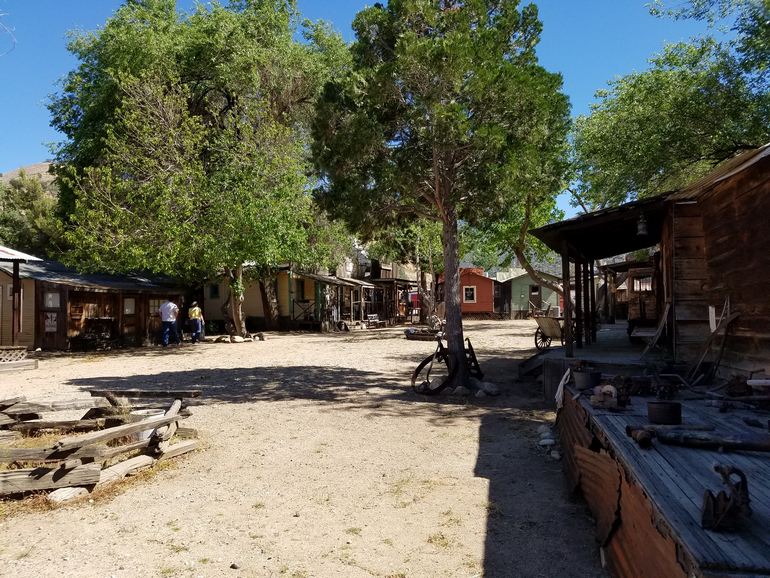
(27, 335)
(484, 293)
(737, 254)
(688, 267)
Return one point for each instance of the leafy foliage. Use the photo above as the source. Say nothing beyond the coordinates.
(700, 103)
(445, 115)
(185, 141)
(27, 216)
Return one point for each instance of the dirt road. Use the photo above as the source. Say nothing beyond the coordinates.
(319, 461)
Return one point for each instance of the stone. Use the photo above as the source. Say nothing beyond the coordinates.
(546, 434)
(547, 442)
(490, 388)
(234, 566)
(223, 339)
(543, 429)
(480, 393)
(247, 339)
(260, 336)
(236, 339)
(462, 390)
(555, 455)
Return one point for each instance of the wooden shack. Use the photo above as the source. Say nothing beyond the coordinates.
(63, 309)
(714, 262)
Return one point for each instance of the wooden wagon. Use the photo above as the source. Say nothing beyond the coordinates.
(549, 329)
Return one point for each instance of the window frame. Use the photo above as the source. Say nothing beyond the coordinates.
(465, 294)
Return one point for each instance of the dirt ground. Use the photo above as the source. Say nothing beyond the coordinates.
(319, 460)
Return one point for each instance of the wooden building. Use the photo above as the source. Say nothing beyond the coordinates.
(711, 261)
(517, 295)
(62, 309)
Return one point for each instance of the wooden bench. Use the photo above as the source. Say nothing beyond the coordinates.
(373, 321)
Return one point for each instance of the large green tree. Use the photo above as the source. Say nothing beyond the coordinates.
(27, 216)
(699, 103)
(445, 115)
(185, 150)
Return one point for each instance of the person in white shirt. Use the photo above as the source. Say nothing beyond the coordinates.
(168, 314)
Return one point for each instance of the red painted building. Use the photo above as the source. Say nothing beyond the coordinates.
(477, 291)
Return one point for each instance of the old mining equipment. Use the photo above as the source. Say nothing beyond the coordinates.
(726, 511)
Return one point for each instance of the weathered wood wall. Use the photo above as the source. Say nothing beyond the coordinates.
(688, 264)
(27, 335)
(736, 224)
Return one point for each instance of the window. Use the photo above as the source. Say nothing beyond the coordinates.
(51, 300)
(642, 284)
(299, 289)
(129, 306)
(469, 294)
(154, 305)
(214, 291)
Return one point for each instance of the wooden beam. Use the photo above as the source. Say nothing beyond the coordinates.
(34, 479)
(569, 351)
(579, 304)
(592, 285)
(16, 305)
(115, 432)
(63, 425)
(36, 407)
(136, 393)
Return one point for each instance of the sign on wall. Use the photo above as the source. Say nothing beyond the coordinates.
(51, 321)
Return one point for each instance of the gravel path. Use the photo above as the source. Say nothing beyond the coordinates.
(319, 461)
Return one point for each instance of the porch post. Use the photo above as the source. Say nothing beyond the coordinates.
(591, 281)
(567, 302)
(586, 305)
(579, 317)
(16, 305)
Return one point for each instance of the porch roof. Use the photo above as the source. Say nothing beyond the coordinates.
(607, 232)
(358, 282)
(55, 272)
(9, 255)
(328, 279)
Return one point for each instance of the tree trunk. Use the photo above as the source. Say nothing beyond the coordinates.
(522, 258)
(232, 308)
(269, 301)
(454, 318)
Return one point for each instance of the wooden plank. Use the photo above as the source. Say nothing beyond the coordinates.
(138, 393)
(31, 480)
(692, 311)
(18, 365)
(9, 401)
(34, 407)
(178, 449)
(688, 287)
(63, 425)
(690, 269)
(688, 227)
(5, 419)
(67, 494)
(123, 469)
(116, 432)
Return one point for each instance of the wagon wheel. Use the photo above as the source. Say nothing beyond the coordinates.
(542, 341)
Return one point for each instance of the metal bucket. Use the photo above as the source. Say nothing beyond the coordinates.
(664, 412)
(587, 379)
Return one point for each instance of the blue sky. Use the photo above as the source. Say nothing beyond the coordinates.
(588, 41)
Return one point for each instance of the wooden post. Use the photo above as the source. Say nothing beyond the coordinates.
(569, 351)
(606, 306)
(588, 323)
(16, 305)
(592, 282)
(579, 303)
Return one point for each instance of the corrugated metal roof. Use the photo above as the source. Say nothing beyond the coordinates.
(724, 171)
(8, 254)
(327, 279)
(55, 272)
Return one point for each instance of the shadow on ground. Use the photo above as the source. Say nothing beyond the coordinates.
(532, 528)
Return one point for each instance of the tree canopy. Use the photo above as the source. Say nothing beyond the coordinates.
(186, 139)
(446, 115)
(700, 103)
(27, 216)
